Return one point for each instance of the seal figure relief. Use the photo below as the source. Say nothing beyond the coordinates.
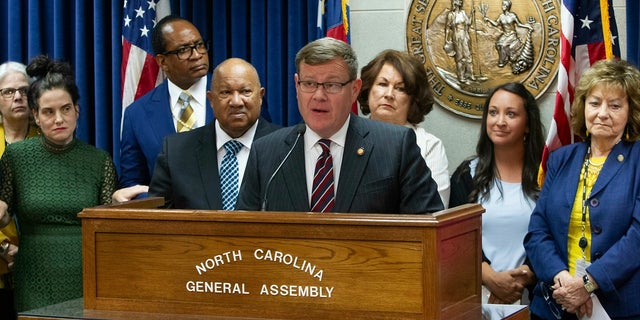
(470, 46)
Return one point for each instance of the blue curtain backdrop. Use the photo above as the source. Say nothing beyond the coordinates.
(87, 34)
(633, 32)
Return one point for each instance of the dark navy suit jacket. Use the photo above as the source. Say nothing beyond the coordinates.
(390, 176)
(146, 122)
(614, 215)
(186, 173)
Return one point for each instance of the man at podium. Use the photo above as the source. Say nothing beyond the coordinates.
(336, 161)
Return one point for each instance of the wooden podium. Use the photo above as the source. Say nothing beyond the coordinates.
(282, 265)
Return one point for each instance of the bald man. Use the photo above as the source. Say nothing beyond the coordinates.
(186, 172)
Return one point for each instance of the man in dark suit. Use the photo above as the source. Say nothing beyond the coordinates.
(181, 53)
(186, 173)
(372, 166)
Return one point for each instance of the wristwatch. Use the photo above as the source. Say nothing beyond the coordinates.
(588, 284)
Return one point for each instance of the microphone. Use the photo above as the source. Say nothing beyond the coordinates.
(300, 129)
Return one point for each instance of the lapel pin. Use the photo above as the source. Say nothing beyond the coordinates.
(360, 151)
(620, 158)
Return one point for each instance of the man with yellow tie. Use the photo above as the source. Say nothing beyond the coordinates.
(179, 104)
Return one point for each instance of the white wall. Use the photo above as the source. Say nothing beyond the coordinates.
(380, 24)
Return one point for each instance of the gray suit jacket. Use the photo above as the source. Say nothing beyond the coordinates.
(186, 171)
(389, 177)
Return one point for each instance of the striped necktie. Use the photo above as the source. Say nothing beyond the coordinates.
(229, 175)
(187, 117)
(322, 197)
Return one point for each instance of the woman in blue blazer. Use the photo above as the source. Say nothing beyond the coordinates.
(584, 234)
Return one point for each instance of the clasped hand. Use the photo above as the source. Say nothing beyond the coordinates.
(569, 292)
(507, 286)
(9, 255)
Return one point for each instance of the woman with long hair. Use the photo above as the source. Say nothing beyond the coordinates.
(502, 177)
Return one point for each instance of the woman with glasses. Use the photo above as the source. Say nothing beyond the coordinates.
(584, 234)
(395, 89)
(15, 125)
(502, 177)
(44, 183)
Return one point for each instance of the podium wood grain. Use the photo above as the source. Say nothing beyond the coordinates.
(361, 265)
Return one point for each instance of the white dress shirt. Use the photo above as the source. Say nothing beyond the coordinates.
(432, 150)
(312, 151)
(198, 101)
(243, 154)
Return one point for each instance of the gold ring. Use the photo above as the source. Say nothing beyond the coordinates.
(4, 246)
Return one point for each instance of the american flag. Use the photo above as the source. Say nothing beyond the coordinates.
(589, 34)
(139, 71)
(333, 22)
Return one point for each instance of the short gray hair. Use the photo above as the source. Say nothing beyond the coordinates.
(11, 67)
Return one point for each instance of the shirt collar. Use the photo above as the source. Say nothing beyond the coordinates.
(198, 91)
(339, 138)
(246, 139)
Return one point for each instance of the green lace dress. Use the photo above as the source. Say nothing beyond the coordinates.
(45, 187)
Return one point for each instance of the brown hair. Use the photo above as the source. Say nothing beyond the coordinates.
(413, 75)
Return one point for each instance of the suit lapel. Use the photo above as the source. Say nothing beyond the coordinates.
(613, 164)
(577, 161)
(261, 130)
(161, 122)
(293, 172)
(353, 164)
(207, 159)
(208, 109)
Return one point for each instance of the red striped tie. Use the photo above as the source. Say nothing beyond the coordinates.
(322, 198)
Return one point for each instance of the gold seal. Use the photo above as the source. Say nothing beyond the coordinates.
(360, 151)
(470, 46)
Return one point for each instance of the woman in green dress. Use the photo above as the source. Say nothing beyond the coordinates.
(45, 182)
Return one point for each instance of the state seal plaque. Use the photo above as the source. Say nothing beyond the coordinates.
(470, 46)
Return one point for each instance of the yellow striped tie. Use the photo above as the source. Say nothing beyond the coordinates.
(188, 117)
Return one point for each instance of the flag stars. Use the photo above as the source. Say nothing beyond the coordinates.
(127, 21)
(152, 5)
(586, 23)
(144, 31)
(140, 12)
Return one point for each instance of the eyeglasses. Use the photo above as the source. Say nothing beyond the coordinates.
(8, 93)
(186, 52)
(329, 87)
(547, 292)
